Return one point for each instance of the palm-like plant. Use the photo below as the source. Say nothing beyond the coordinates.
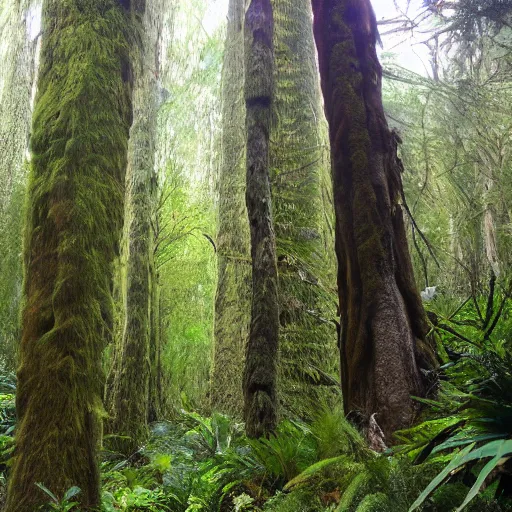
(477, 437)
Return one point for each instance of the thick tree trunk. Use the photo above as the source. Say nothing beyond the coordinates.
(131, 384)
(79, 141)
(261, 358)
(384, 329)
(300, 167)
(233, 298)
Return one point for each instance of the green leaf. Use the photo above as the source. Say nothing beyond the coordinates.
(486, 470)
(47, 491)
(457, 460)
(455, 442)
(68, 506)
(492, 449)
(350, 493)
(71, 492)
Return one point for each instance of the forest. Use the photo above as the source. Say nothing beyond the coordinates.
(256, 255)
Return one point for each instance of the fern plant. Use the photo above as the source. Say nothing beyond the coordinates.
(286, 453)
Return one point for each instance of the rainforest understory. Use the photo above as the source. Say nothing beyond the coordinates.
(255, 255)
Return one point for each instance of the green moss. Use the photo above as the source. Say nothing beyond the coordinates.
(80, 132)
(300, 173)
(135, 366)
(378, 502)
(233, 298)
(301, 500)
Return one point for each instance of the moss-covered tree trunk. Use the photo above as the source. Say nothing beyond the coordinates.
(132, 374)
(300, 168)
(16, 85)
(79, 142)
(384, 329)
(260, 373)
(233, 298)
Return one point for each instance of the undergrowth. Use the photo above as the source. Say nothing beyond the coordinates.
(457, 458)
(207, 464)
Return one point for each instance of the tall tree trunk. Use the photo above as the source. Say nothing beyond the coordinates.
(233, 298)
(16, 85)
(79, 141)
(132, 375)
(383, 347)
(261, 358)
(300, 166)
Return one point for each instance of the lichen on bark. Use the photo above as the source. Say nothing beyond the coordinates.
(79, 142)
(132, 396)
(18, 56)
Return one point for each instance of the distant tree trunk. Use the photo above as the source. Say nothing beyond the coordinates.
(156, 404)
(300, 168)
(79, 142)
(261, 358)
(491, 166)
(16, 84)
(233, 298)
(383, 347)
(132, 375)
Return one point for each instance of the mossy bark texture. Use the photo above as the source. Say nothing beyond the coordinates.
(131, 392)
(233, 298)
(383, 323)
(18, 57)
(79, 142)
(300, 168)
(260, 372)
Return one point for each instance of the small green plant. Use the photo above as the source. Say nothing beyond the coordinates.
(136, 499)
(64, 504)
(7, 403)
(243, 502)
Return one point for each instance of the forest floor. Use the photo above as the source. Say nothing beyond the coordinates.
(197, 463)
(458, 457)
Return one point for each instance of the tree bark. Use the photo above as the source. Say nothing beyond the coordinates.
(383, 335)
(131, 393)
(261, 358)
(16, 85)
(233, 298)
(79, 141)
(300, 168)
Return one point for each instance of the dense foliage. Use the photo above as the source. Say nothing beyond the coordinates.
(453, 123)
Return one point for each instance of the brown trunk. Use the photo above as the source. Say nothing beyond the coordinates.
(383, 323)
(261, 358)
